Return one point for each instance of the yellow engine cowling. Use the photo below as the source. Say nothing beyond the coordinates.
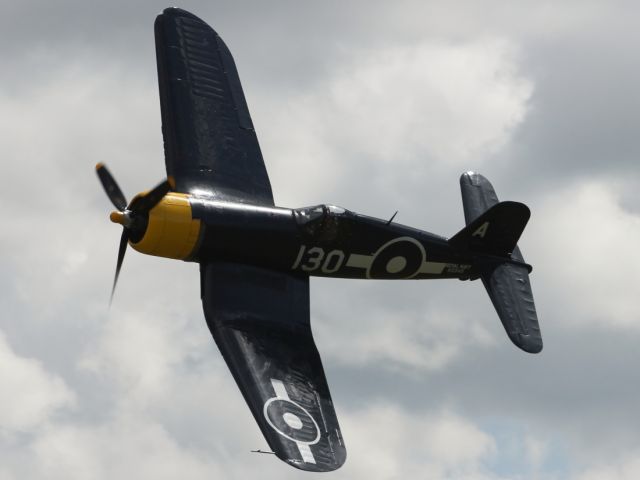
(171, 232)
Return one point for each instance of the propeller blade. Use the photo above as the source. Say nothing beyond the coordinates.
(145, 203)
(111, 187)
(124, 239)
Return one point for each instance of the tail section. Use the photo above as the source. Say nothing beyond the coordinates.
(493, 229)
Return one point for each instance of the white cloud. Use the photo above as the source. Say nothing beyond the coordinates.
(30, 395)
(416, 107)
(451, 101)
(144, 348)
(127, 447)
(536, 451)
(392, 443)
(58, 129)
(584, 248)
(356, 330)
(622, 469)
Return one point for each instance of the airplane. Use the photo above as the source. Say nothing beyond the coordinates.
(216, 208)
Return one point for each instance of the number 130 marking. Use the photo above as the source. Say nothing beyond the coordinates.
(315, 258)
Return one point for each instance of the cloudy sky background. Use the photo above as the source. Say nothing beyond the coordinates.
(377, 106)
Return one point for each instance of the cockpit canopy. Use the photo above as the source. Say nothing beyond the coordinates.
(320, 220)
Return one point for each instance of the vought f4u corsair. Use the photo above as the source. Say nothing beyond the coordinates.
(216, 208)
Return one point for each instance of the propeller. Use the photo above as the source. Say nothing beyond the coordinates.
(111, 187)
(134, 216)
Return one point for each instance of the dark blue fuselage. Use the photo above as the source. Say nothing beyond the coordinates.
(323, 241)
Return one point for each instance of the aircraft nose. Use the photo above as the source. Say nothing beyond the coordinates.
(117, 217)
(121, 218)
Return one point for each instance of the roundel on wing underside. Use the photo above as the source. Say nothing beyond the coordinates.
(400, 258)
(291, 421)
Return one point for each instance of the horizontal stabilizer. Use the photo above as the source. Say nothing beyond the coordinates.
(509, 288)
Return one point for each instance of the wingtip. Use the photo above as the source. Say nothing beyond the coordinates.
(529, 344)
(312, 467)
(534, 348)
(472, 178)
(178, 12)
(99, 166)
(325, 465)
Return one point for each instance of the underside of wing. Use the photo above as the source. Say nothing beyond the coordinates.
(209, 141)
(260, 321)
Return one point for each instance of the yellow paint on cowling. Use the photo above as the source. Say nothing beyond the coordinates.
(171, 232)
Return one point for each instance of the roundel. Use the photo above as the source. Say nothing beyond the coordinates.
(400, 258)
(291, 421)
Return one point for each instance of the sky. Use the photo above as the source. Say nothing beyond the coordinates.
(375, 106)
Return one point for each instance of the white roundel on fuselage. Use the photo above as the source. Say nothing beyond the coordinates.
(399, 258)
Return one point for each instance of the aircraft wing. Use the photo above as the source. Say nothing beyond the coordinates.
(209, 141)
(260, 320)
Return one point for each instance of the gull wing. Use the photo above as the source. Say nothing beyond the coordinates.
(260, 321)
(209, 141)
